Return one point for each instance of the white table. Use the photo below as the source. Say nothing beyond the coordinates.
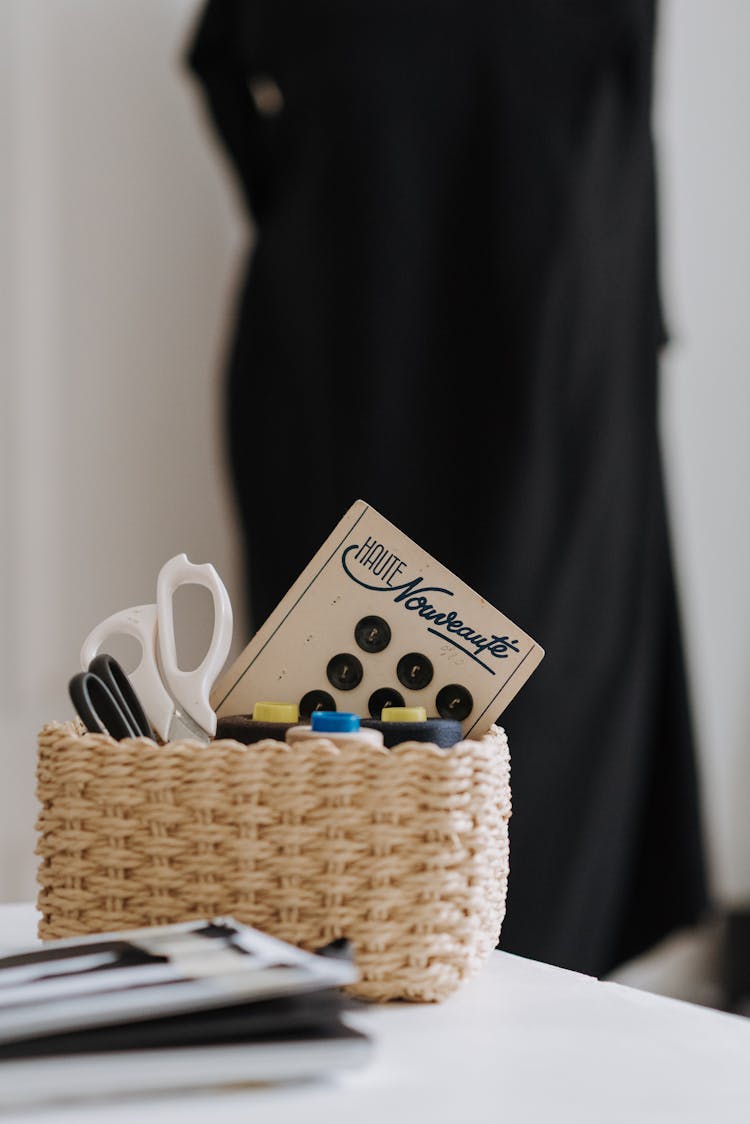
(521, 1043)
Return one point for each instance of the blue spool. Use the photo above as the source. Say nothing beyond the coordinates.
(334, 722)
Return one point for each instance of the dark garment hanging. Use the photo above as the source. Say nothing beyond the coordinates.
(451, 310)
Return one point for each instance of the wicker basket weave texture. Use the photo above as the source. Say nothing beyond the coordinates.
(405, 852)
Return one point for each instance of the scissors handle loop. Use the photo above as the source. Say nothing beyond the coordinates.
(98, 708)
(109, 670)
(140, 623)
(192, 688)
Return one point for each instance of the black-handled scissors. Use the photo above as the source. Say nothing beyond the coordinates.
(106, 702)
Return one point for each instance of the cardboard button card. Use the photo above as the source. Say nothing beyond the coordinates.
(375, 621)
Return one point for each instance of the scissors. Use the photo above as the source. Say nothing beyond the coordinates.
(176, 701)
(106, 702)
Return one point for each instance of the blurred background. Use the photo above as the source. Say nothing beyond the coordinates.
(121, 241)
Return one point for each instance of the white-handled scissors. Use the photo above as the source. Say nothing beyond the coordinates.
(176, 701)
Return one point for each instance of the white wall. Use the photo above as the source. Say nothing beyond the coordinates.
(120, 244)
(119, 241)
(704, 149)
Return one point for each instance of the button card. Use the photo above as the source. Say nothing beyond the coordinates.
(373, 612)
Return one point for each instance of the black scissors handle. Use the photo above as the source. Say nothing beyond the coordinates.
(106, 702)
(110, 672)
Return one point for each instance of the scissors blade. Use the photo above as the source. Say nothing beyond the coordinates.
(182, 726)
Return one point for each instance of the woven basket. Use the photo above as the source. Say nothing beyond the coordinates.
(405, 851)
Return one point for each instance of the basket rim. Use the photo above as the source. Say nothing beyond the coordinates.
(69, 729)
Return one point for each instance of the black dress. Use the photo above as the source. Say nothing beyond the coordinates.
(452, 311)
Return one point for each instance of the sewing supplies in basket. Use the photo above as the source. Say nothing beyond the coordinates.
(327, 833)
(426, 644)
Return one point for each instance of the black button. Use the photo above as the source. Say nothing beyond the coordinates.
(315, 700)
(344, 672)
(414, 671)
(372, 634)
(383, 697)
(267, 95)
(454, 701)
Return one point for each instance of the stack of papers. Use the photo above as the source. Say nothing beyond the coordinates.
(177, 1006)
